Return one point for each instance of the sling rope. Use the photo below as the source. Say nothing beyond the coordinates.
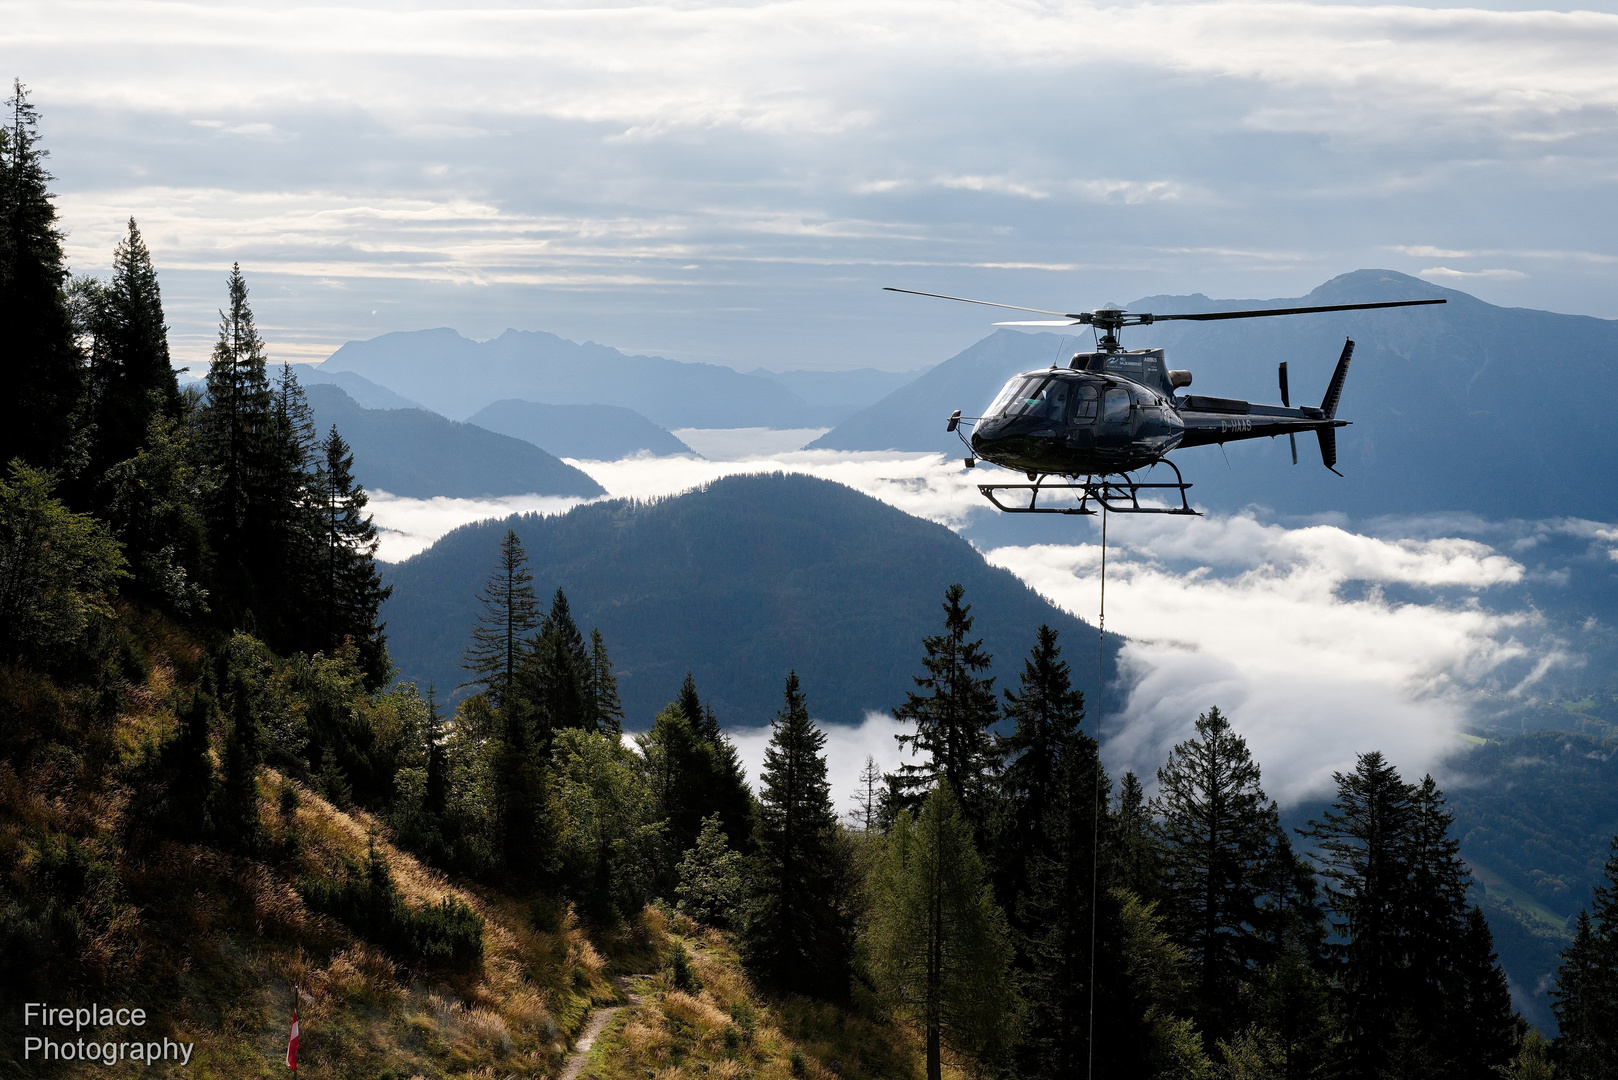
(1095, 820)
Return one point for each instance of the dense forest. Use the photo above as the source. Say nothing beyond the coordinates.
(211, 784)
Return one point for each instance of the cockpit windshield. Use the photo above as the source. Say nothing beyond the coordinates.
(1037, 395)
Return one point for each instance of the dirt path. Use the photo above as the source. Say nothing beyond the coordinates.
(592, 1031)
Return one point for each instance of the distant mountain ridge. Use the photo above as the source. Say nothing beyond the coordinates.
(1466, 407)
(419, 454)
(459, 376)
(587, 432)
(739, 581)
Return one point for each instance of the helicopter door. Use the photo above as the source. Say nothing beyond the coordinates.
(1116, 415)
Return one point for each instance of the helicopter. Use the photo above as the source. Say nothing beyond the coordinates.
(1115, 411)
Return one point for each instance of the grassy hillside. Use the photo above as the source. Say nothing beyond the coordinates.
(700, 1016)
(97, 906)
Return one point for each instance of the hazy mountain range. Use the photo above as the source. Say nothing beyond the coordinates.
(589, 432)
(421, 454)
(460, 376)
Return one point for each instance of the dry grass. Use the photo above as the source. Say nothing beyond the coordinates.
(727, 1031)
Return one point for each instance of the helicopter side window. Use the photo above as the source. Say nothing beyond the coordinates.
(1055, 394)
(1085, 401)
(1115, 406)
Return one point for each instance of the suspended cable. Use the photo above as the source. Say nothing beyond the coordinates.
(1095, 819)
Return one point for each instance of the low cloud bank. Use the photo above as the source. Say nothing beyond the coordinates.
(847, 746)
(1294, 634)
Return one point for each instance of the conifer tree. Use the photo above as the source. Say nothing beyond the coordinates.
(552, 677)
(1586, 994)
(1067, 887)
(1482, 1032)
(510, 613)
(604, 709)
(679, 767)
(724, 790)
(953, 715)
(350, 586)
(237, 417)
(1137, 859)
(1217, 836)
(1047, 712)
(939, 944)
(1363, 857)
(132, 377)
(867, 797)
(44, 370)
(436, 796)
(711, 876)
(795, 931)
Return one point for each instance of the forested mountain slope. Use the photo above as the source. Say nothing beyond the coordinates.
(1464, 406)
(738, 581)
(420, 454)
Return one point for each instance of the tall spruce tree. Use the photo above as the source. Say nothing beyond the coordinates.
(1047, 712)
(604, 709)
(350, 588)
(1217, 837)
(939, 945)
(1586, 994)
(1362, 852)
(38, 347)
(1420, 986)
(553, 676)
(725, 791)
(953, 715)
(679, 765)
(1066, 887)
(133, 379)
(796, 928)
(510, 613)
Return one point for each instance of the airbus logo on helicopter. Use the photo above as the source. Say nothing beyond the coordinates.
(1081, 431)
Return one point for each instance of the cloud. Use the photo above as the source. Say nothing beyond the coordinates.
(1292, 632)
(1497, 275)
(407, 526)
(847, 747)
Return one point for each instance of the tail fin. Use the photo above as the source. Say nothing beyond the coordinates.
(1328, 447)
(1334, 392)
(1328, 406)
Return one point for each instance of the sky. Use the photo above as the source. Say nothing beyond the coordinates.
(735, 181)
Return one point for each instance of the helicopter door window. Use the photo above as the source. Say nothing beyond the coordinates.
(1085, 401)
(1115, 406)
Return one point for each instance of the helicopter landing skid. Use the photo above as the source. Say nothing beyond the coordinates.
(1120, 496)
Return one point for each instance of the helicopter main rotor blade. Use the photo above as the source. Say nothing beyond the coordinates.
(990, 303)
(1210, 316)
(1043, 322)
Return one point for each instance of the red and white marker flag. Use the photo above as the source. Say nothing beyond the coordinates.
(292, 1042)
